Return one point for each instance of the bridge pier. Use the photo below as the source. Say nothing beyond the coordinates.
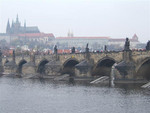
(53, 68)
(11, 67)
(29, 69)
(126, 68)
(83, 69)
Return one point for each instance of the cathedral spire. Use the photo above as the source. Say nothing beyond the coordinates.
(8, 27)
(25, 23)
(17, 19)
(12, 25)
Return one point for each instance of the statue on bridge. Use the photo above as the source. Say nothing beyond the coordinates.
(148, 45)
(127, 45)
(87, 49)
(73, 50)
(55, 49)
(14, 55)
(105, 48)
(0, 55)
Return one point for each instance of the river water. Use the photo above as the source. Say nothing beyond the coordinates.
(18, 95)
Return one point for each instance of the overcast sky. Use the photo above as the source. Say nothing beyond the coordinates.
(113, 18)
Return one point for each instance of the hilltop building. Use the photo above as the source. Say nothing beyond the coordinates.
(80, 42)
(95, 43)
(16, 28)
(29, 33)
(32, 34)
(119, 42)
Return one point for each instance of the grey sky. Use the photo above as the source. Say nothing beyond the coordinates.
(114, 18)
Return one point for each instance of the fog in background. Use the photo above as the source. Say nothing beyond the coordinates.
(113, 18)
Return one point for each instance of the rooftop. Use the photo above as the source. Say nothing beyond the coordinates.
(36, 35)
(82, 38)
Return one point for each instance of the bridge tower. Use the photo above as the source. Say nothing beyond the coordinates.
(29, 68)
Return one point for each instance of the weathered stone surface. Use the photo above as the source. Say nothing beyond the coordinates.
(137, 57)
(53, 68)
(28, 69)
(127, 56)
(83, 69)
(10, 67)
(126, 69)
(148, 45)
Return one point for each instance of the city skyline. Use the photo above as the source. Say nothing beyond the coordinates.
(113, 18)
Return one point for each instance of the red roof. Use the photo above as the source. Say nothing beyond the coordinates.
(82, 38)
(36, 35)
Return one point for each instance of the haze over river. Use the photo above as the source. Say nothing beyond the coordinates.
(18, 95)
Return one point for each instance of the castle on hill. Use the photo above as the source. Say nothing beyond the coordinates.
(32, 34)
(16, 28)
(25, 33)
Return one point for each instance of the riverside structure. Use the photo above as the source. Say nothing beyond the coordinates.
(129, 65)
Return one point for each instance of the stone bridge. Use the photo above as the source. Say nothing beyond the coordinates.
(81, 64)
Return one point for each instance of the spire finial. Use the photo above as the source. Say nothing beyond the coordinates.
(24, 23)
(8, 27)
(17, 19)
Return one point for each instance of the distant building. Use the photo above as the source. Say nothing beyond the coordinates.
(4, 36)
(120, 41)
(32, 34)
(16, 28)
(80, 42)
(29, 33)
(37, 37)
(95, 43)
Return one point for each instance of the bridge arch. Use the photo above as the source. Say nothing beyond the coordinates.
(103, 67)
(69, 66)
(41, 66)
(143, 70)
(6, 61)
(21, 63)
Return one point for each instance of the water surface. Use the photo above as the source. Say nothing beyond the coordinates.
(18, 95)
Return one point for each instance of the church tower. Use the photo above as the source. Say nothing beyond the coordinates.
(70, 34)
(8, 27)
(16, 26)
(24, 26)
